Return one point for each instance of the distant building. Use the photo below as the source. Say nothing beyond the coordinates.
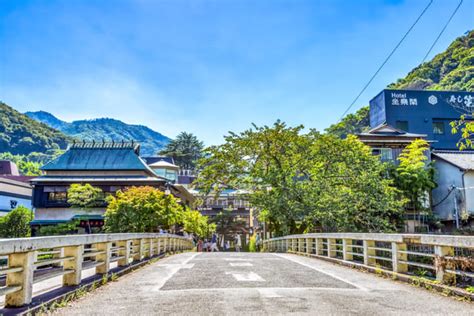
(234, 201)
(397, 117)
(15, 189)
(108, 166)
(453, 198)
(388, 142)
(422, 112)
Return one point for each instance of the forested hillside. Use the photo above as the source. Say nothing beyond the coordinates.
(106, 129)
(452, 69)
(20, 134)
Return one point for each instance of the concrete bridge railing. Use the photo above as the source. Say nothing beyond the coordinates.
(444, 257)
(31, 260)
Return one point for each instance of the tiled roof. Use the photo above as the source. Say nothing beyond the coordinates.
(461, 159)
(77, 158)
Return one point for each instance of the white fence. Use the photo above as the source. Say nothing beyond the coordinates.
(440, 256)
(32, 260)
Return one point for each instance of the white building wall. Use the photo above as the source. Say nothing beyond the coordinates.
(8, 203)
(469, 191)
(446, 176)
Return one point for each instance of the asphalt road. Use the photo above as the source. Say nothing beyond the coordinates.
(255, 284)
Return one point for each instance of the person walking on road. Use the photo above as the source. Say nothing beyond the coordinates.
(238, 243)
(214, 243)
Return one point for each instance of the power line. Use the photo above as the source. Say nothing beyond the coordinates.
(386, 59)
(442, 31)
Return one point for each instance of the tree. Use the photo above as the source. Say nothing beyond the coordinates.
(301, 182)
(140, 210)
(16, 223)
(185, 150)
(414, 176)
(84, 196)
(196, 223)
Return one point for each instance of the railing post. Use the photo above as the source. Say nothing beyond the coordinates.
(159, 245)
(125, 253)
(137, 250)
(103, 257)
(319, 246)
(441, 252)
(309, 245)
(369, 252)
(332, 247)
(397, 257)
(150, 248)
(23, 278)
(346, 248)
(75, 264)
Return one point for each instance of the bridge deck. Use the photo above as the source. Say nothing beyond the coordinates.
(248, 283)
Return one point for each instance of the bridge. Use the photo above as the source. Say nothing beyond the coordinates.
(295, 274)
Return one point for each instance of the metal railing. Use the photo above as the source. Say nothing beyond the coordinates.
(430, 256)
(30, 260)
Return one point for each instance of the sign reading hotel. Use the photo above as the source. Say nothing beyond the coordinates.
(423, 112)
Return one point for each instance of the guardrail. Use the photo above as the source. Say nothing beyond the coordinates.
(441, 257)
(32, 260)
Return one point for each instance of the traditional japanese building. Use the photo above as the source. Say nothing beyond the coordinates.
(109, 166)
(388, 142)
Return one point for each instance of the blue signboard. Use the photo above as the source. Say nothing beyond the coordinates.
(423, 112)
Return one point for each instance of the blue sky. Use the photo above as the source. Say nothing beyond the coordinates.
(208, 67)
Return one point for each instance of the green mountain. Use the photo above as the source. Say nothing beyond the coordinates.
(452, 69)
(106, 129)
(19, 134)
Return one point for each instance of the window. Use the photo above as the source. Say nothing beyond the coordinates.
(57, 197)
(403, 125)
(438, 128)
(385, 154)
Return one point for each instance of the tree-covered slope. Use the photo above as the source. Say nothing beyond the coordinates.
(452, 69)
(19, 134)
(106, 129)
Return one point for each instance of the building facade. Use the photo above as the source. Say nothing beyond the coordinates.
(422, 112)
(108, 166)
(15, 190)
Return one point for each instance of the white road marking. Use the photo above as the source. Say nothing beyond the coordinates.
(172, 268)
(246, 277)
(322, 271)
(240, 264)
(237, 259)
(268, 293)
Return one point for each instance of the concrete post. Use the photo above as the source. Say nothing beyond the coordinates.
(125, 252)
(441, 252)
(150, 248)
(159, 245)
(75, 264)
(22, 278)
(369, 252)
(309, 245)
(103, 257)
(332, 247)
(346, 248)
(397, 256)
(319, 246)
(137, 251)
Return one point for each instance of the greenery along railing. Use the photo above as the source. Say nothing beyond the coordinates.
(445, 259)
(30, 260)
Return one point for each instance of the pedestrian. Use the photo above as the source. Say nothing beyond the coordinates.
(199, 245)
(258, 242)
(238, 243)
(214, 243)
(227, 245)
